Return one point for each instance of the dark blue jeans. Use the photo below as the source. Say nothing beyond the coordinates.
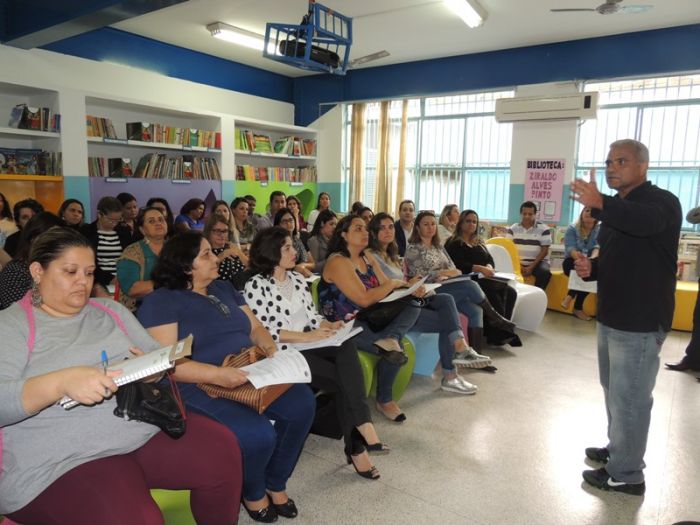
(386, 372)
(440, 315)
(270, 453)
(468, 295)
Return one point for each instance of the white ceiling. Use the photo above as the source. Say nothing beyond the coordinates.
(409, 29)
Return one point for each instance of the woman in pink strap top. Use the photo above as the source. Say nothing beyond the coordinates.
(85, 465)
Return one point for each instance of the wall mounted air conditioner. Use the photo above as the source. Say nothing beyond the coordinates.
(555, 107)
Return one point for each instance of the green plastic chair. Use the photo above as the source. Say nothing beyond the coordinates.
(368, 362)
(175, 506)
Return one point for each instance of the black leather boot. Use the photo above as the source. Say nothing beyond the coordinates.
(476, 338)
(494, 318)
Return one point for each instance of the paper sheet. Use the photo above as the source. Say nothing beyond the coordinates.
(403, 292)
(288, 366)
(342, 334)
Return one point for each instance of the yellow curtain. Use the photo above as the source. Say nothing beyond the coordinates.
(357, 156)
(383, 180)
(397, 193)
(390, 183)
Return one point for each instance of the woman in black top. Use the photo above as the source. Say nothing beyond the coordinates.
(469, 253)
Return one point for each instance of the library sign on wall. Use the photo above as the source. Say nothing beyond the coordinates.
(544, 185)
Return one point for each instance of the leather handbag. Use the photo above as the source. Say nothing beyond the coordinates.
(379, 315)
(256, 398)
(154, 403)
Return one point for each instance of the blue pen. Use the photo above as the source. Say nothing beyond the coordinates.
(105, 362)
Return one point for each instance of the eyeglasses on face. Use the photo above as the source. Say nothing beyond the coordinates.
(220, 231)
(109, 219)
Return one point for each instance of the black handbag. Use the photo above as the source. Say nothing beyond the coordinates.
(153, 403)
(379, 315)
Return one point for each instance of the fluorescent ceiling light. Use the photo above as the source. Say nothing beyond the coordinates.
(468, 10)
(239, 36)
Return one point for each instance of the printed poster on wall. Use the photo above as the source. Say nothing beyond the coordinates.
(544, 185)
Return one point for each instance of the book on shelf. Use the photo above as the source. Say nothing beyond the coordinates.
(119, 167)
(275, 173)
(100, 127)
(141, 131)
(23, 116)
(96, 167)
(262, 144)
(30, 162)
(160, 166)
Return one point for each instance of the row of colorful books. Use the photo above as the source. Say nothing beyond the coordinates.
(36, 118)
(30, 162)
(155, 132)
(246, 140)
(100, 127)
(156, 166)
(276, 174)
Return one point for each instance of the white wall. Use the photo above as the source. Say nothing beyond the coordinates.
(554, 139)
(330, 145)
(49, 70)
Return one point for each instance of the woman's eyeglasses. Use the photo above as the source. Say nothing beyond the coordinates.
(220, 231)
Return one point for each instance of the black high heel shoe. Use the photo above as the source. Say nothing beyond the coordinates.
(287, 509)
(265, 515)
(372, 473)
(377, 448)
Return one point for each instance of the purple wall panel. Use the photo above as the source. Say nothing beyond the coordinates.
(143, 189)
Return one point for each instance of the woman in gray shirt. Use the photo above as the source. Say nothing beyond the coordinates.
(85, 465)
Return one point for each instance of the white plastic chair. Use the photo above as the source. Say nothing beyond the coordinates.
(531, 302)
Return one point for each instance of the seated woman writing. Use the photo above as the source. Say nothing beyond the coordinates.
(469, 254)
(190, 300)
(425, 256)
(281, 300)
(353, 281)
(85, 465)
(138, 259)
(439, 314)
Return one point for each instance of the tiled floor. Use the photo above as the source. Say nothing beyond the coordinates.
(512, 454)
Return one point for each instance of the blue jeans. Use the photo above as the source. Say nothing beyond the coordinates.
(270, 453)
(386, 372)
(628, 363)
(468, 295)
(440, 315)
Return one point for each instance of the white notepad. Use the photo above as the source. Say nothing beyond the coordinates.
(143, 366)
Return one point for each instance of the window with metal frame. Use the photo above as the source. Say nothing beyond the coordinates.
(455, 152)
(664, 114)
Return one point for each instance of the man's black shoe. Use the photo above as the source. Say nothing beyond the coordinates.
(602, 480)
(601, 455)
(682, 366)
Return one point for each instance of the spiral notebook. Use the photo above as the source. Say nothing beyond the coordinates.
(144, 366)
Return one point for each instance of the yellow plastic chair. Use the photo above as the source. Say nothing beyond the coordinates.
(512, 250)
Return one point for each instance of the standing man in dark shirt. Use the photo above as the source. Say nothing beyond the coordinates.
(636, 272)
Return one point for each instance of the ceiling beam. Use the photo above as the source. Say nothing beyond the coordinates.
(36, 23)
